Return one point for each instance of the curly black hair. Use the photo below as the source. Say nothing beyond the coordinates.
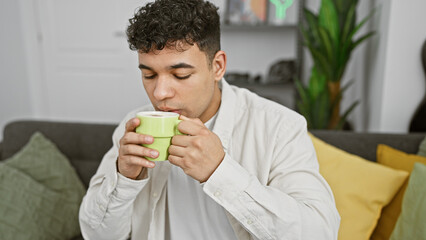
(167, 23)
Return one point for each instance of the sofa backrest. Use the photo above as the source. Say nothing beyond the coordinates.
(83, 143)
(365, 144)
(86, 143)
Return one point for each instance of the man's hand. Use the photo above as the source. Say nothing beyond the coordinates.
(131, 159)
(199, 152)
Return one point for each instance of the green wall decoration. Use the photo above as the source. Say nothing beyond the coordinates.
(281, 7)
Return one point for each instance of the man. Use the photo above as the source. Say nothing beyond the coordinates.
(245, 167)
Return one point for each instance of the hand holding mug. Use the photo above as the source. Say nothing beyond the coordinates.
(132, 155)
(199, 152)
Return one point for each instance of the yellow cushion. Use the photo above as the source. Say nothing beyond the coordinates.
(360, 187)
(398, 160)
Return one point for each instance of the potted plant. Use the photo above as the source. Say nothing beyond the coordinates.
(329, 36)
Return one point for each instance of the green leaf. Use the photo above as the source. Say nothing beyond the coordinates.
(317, 83)
(361, 39)
(347, 85)
(328, 19)
(312, 25)
(301, 90)
(324, 114)
(326, 42)
(343, 6)
(302, 110)
(304, 105)
(306, 35)
(314, 104)
(347, 29)
(321, 62)
(321, 111)
(359, 26)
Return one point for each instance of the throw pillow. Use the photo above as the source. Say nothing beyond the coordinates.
(43, 162)
(422, 148)
(396, 159)
(29, 210)
(411, 222)
(46, 166)
(360, 187)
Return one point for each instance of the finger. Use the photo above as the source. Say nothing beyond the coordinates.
(191, 128)
(136, 138)
(132, 124)
(175, 160)
(194, 120)
(181, 140)
(139, 161)
(137, 150)
(176, 151)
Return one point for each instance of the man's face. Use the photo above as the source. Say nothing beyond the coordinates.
(182, 81)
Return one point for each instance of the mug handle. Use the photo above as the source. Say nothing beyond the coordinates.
(177, 132)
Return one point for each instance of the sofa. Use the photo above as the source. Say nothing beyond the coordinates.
(84, 144)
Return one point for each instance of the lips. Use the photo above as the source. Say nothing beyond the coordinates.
(175, 111)
(165, 109)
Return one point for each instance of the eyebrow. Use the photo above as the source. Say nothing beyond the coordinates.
(141, 66)
(176, 66)
(181, 65)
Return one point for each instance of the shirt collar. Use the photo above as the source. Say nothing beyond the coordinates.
(226, 115)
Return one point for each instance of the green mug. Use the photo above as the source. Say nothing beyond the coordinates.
(162, 126)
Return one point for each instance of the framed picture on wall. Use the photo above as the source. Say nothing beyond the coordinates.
(246, 12)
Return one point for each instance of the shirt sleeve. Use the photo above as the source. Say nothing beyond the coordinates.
(106, 209)
(295, 203)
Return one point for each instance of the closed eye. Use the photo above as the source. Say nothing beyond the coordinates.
(150, 76)
(182, 77)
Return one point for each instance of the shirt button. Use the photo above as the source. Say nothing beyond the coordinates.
(249, 222)
(217, 193)
(154, 195)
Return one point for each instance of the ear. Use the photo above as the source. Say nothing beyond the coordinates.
(219, 65)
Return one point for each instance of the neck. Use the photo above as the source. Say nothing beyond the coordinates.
(214, 106)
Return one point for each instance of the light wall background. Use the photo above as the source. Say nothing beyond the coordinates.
(387, 73)
(397, 65)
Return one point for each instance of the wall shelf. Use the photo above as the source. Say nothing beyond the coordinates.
(227, 27)
(282, 93)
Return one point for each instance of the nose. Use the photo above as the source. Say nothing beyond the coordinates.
(163, 89)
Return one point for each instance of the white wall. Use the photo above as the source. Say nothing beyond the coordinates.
(404, 83)
(15, 99)
(400, 79)
(377, 58)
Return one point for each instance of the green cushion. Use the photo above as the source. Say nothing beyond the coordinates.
(422, 148)
(43, 193)
(411, 222)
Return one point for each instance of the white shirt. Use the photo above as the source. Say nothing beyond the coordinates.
(192, 213)
(268, 183)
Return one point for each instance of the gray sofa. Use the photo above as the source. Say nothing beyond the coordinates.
(85, 143)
